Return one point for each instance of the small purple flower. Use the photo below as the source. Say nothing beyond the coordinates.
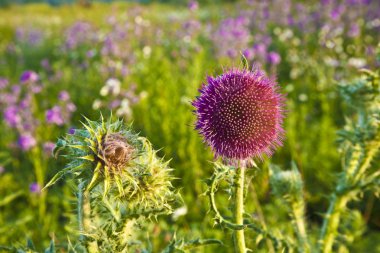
(2, 169)
(54, 116)
(274, 58)
(193, 5)
(36, 89)
(48, 148)
(90, 53)
(240, 114)
(260, 49)
(354, 31)
(64, 96)
(70, 107)
(16, 90)
(72, 130)
(337, 12)
(26, 142)
(248, 53)
(25, 102)
(35, 188)
(29, 77)
(3, 83)
(11, 116)
(45, 64)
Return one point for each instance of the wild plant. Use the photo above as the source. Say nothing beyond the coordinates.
(239, 114)
(121, 185)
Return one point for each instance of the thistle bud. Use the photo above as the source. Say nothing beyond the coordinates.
(286, 183)
(124, 164)
(115, 151)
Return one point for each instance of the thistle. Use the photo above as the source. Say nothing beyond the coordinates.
(121, 182)
(239, 114)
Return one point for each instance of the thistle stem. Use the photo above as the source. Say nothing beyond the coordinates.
(80, 210)
(299, 217)
(239, 210)
(331, 222)
(84, 213)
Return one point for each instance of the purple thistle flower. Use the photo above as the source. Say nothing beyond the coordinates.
(240, 114)
(29, 76)
(26, 142)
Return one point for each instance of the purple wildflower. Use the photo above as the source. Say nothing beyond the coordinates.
(70, 107)
(249, 53)
(45, 64)
(193, 5)
(26, 142)
(54, 116)
(48, 147)
(64, 96)
(2, 169)
(337, 12)
(354, 31)
(29, 76)
(274, 58)
(232, 36)
(3, 83)
(240, 114)
(72, 130)
(35, 188)
(11, 116)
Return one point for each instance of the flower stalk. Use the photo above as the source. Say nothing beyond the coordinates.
(331, 221)
(239, 210)
(298, 209)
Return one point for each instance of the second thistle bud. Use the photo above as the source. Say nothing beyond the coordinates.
(286, 183)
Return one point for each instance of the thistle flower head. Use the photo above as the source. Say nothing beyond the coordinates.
(118, 165)
(239, 114)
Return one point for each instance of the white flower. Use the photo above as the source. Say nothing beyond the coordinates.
(112, 87)
(179, 212)
(96, 104)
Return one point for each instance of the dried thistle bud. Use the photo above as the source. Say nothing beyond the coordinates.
(115, 150)
(123, 163)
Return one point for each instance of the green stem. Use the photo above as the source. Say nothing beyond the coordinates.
(331, 222)
(39, 170)
(239, 210)
(80, 211)
(84, 218)
(299, 217)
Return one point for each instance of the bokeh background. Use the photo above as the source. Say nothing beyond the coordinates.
(145, 61)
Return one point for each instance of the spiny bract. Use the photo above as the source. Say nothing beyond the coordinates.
(123, 163)
(240, 114)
